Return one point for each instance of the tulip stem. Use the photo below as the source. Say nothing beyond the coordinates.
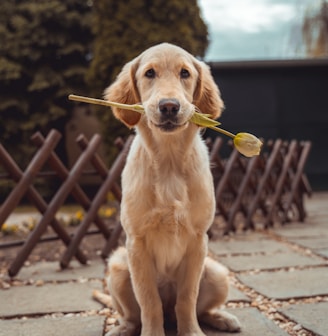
(136, 107)
(221, 130)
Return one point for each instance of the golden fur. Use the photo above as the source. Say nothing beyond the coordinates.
(168, 200)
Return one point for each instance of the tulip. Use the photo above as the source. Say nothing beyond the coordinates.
(246, 143)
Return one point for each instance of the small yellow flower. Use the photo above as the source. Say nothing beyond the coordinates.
(109, 212)
(31, 225)
(5, 228)
(79, 215)
(9, 228)
(110, 197)
(247, 144)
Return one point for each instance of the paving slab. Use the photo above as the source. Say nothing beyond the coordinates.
(49, 298)
(323, 252)
(312, 316)
(236, 295)
(288, 284)
(68, 326)
(311, 242)
(302, 230)
(253, 324)
(269, 261)
(50, 271)
(247, 244)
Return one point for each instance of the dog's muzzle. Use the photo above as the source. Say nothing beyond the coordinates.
(169, 109)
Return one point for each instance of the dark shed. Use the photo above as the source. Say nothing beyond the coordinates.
(285, 99)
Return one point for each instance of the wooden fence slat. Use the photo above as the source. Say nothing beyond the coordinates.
(263, 182)
(224, 183)
(98, 164)
(295, 192)
(236, 206)
(280, 183)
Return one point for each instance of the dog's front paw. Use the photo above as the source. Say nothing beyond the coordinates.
(194, 332)
(222, 320)
(124, 330)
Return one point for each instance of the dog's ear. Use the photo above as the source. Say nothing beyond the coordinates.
(124, 90)
(207, 96)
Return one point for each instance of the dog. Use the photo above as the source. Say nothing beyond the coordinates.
(168, 201)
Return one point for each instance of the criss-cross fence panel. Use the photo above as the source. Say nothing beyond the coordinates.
(262, 190)
(271, 185)
(69, 186)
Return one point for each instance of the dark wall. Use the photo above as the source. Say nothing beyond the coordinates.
(279, 99)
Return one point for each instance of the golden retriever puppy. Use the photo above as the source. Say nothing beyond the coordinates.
(168, 200)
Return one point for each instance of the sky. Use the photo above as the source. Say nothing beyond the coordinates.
(254, 29)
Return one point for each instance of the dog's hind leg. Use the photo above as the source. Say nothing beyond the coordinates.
(123, 299)
(213, 292)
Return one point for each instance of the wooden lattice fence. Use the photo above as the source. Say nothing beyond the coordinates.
(264, 189)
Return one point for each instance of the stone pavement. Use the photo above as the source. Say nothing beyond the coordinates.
(279, 286)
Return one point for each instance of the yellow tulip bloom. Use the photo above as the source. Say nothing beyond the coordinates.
(247, 144)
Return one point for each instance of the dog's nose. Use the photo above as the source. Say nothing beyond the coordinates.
(169, 107)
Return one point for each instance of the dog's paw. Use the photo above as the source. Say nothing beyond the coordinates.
(196, 331)
(124, 330)
(222, 320)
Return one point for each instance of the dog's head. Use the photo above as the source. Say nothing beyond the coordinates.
(168, 82)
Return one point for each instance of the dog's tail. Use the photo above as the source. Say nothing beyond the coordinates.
(103, 298)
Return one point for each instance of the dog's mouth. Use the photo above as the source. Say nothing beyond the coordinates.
(170, 126)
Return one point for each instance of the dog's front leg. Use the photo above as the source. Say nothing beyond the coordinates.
(145, 288)
(189, 277)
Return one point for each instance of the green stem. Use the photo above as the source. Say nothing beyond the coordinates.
(136, 107)
(221, 130)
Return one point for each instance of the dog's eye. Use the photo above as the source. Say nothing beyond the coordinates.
(184, 73)
(150, 73)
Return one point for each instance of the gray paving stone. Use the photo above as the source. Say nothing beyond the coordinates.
(252, 244)
(312, 242)
(302, 230)
(68, 326)
(50, 271)
(288, 284)
(269, 261)
(312, 316)
(323, 252)
(253, 324)
(65, 297)
(236, 295)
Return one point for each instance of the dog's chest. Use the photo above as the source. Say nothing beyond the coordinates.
(168, 245)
